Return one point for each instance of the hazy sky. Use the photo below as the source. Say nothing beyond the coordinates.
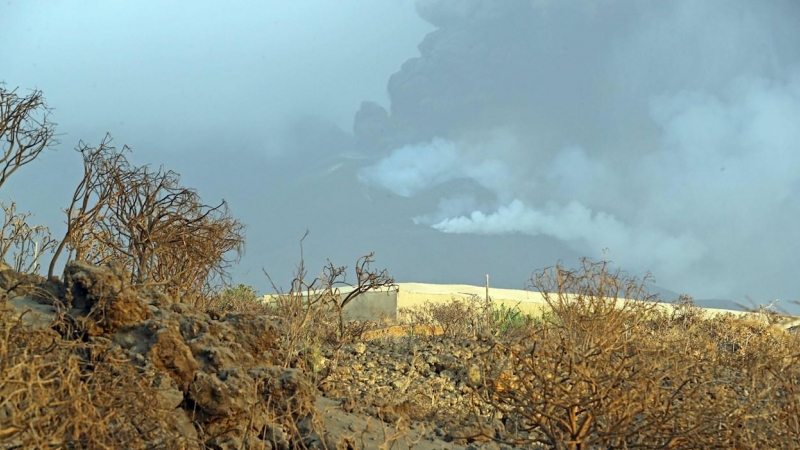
(453, 137)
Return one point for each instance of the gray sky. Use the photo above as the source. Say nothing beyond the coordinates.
(454, 138)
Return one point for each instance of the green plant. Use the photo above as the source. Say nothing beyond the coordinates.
(239, 298)
(506, 318)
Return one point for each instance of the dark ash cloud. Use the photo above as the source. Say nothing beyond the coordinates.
(661, 135)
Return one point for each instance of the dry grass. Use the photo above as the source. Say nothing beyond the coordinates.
(594, 373)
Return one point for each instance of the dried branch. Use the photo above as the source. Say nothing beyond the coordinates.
(25, 130)
(28, 242)
(160, 232)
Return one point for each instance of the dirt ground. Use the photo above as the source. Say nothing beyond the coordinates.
(370, 432)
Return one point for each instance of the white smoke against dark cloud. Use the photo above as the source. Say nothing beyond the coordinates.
(413, 168)
(409, 170)
(449, 207)
(672, 140)
(584, 230)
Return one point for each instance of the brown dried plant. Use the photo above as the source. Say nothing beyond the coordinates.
(597, 374)
(162, 233)
(25, 130)
(316, 299)
(91, 196)
(367, 279)
(458, 318)
(237, 299)
(312, 317)
(57, 393)
(27, 242)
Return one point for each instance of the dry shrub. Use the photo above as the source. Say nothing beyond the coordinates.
(121, 368)
(25, 243)
(237, 299)
(311, 314)
(316, 306)
(25, 130)
(599, 374)
(306, 312)
(457, 318)
(161, 232)
(129, 360)
(367, 279)
(71, 394)
(360, 330)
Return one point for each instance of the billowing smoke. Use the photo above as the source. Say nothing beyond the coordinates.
(410, 170)
(662, 134)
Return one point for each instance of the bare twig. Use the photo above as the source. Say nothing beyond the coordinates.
(25, 130)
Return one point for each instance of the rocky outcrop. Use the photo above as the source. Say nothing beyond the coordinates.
(216, 381)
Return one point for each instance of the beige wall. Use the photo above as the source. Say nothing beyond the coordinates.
(373, 306)
(377, 305)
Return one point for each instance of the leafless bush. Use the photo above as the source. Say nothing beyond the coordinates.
(315, 303)
(772, 312)
(466, 318)
(597, 375)
(25, 130)
(367, 279)
(28, 242)
(92, 194)
(457, 318)
(161, 232)
(305, 310)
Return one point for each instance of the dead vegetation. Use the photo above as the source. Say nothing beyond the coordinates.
(322, 300)
(465, 318)
(142, 219)
(604, 375)
(25, 130)
(22, 242)
(598, 371)
(119, 352)
(115, 366)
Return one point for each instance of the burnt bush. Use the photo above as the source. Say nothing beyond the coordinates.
(599, 374)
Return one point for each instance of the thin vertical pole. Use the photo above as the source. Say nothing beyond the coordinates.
(487, 288)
